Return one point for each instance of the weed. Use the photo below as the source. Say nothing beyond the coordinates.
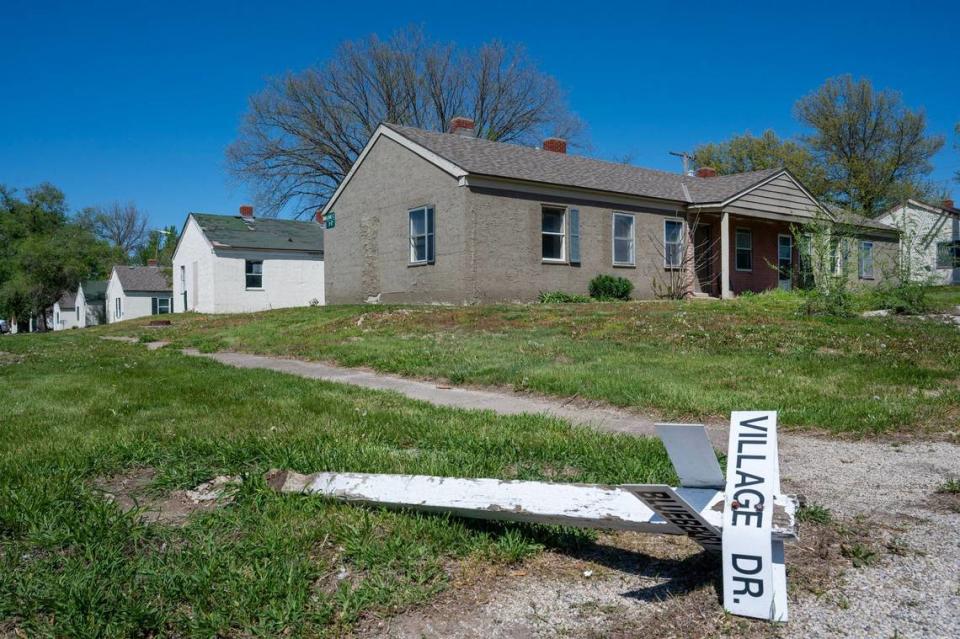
(949, 487)
(859, 554)
(814, 513)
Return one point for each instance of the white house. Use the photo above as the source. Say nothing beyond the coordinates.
(239, 264)
(91, 303)
(138, 291)
(930, 236)
(65, 313)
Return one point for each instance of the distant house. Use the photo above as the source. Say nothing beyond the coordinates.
(138, 291)
(425, 216)
(91, 303)
(65, 312)
(931, 237)
(241, 264)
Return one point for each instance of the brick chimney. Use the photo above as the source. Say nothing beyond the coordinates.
(557, 145)
(947, 204)
(151, 262)
(706, 172)
(246, 212)
(462, 126)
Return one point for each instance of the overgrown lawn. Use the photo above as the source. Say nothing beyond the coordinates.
(76, 408)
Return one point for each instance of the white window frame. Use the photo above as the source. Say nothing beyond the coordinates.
(563, 234)
(666, 250)
(117, 308)
(737, 249)
(860, 271)
(427, 235)
(169, 302)
(632, 238)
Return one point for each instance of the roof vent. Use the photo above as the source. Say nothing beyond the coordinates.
(246, 212)
(557, 145)
(462, 126)
(706, 172)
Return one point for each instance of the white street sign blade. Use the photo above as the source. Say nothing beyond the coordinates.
(752, 469)
(692, 455)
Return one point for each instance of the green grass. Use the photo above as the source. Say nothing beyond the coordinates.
(72, 564)
(682, 360)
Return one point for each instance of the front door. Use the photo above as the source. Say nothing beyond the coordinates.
(703, 258)
(785, 261)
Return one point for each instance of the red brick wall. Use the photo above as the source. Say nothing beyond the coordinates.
(764, 274)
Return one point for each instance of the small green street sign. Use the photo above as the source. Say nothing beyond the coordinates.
(330, 219)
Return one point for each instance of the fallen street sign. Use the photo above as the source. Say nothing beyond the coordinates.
(753, 481)
(746, 520)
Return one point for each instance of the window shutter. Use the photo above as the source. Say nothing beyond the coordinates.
(574, 236)
(153, 305)
(431, 237)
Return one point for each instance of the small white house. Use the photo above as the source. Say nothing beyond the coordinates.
(65, 313)
(91, 303)
(930, 237)
(138, 291)
(240, 264)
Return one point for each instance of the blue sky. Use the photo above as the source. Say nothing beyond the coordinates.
(137, 101)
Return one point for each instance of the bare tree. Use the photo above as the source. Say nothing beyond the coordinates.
(123, 225)
(302, 133)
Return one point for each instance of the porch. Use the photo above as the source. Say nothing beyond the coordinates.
(732, 254)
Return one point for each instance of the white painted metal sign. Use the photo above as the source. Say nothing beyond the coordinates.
(747, 519)
(749, 587)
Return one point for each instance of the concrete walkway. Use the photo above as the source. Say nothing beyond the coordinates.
(504, 403)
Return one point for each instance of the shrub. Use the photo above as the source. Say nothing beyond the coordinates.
(610, 287)
(560, 297)
(905, 298)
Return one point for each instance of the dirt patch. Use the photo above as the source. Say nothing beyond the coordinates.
(7, 359)
(131, 490)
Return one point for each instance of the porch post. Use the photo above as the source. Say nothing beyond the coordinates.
(725, 256)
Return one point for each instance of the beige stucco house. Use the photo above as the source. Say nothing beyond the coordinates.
(446, 217)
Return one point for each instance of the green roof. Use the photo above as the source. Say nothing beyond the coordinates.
(233, 231)
(94, 290)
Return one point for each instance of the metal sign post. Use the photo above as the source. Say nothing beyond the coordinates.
(745, 518)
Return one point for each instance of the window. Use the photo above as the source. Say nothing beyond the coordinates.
(118, 309)
(162, 305)
(744, 246)
(422, 239)
(78, 312)
(948, 254)
(623, 243)
(866, 260)
(672, 243)
(553, 232)
(254, 272)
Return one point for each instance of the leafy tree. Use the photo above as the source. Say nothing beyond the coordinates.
(874, 149)
(750, 153)
(44, 252)
(159, 246)
(302, 133)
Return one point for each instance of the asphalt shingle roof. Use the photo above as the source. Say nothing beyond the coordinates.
(513, 161)
(233, 231)
(95, 290)
(67, 300)
(144, 278)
